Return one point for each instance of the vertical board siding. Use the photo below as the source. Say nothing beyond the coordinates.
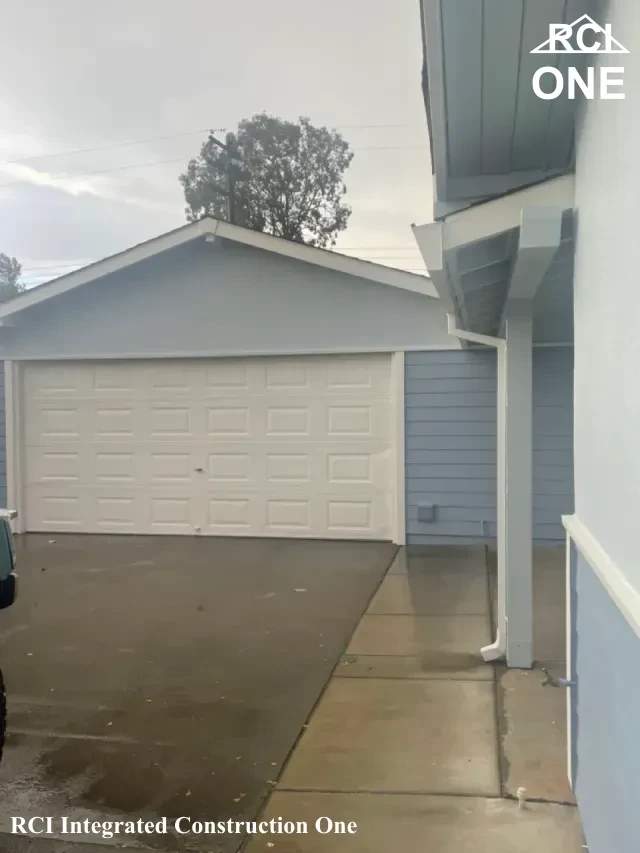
(3, 442)
(607, 698)
(450, 400)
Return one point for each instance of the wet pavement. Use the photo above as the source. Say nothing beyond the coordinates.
(168, 676)
(420, 745)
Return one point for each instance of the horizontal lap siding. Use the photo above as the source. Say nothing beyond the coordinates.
(451, 444)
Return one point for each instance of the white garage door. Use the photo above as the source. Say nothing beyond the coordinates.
(242, 447)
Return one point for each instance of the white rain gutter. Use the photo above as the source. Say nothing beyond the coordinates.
(498, 649)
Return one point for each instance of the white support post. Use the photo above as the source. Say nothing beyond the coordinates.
(540, 233)
(516, 488)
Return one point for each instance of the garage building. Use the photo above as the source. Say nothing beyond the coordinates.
(219, 381)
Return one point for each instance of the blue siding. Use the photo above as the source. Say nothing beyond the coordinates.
(451, 444)
(608, 718)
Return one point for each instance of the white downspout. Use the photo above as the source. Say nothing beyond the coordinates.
(498, 649)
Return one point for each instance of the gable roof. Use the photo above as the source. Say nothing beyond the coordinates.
(215, 228)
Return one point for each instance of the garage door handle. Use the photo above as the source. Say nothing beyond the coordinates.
(199, 470)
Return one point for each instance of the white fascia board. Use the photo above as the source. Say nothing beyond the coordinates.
(429, 240)
(477, 188)
(110, 265)
(328, 259)
(215, 228)
(433, 38)
(502, 214)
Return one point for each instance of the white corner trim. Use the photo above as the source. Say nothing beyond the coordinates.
(13, 442)
(367, 270)
(10, 440)
(397, 367)
(624, 594)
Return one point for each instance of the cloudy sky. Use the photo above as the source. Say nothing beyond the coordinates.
(102, 104)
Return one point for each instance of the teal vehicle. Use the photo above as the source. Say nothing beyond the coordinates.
(7, 597)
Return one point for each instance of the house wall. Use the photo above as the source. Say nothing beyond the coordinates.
(213, 299)
(607, 416)
(451, 444)
(606, 722)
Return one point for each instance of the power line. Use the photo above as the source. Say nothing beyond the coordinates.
(377, 257)
(147, 163)
(336, 251)
(57, 267)
(50, 267)
(389, 148)
(74, 151)
(67, 175)
(382, 258)
(148, 139)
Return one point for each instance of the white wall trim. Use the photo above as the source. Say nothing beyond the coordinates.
(397, 370)
(571, 675)
(13, 442)
(285, 353)
(623, 593)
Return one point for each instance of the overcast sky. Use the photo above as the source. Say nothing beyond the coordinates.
(78, 75)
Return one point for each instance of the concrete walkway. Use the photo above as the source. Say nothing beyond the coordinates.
(421, 744)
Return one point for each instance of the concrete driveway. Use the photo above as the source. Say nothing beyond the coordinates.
(169, 676)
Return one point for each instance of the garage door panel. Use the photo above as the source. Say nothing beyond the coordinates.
(229, 420)
(58, 381)
(288, 514)
(51, 422)
(234, 514)
(58, 466)
(326, 468)
(252, 447)
(58, 509)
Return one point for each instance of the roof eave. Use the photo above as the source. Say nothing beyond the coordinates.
(506, 244)
(209, 227)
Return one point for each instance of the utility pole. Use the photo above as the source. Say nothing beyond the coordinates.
(231, 199)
